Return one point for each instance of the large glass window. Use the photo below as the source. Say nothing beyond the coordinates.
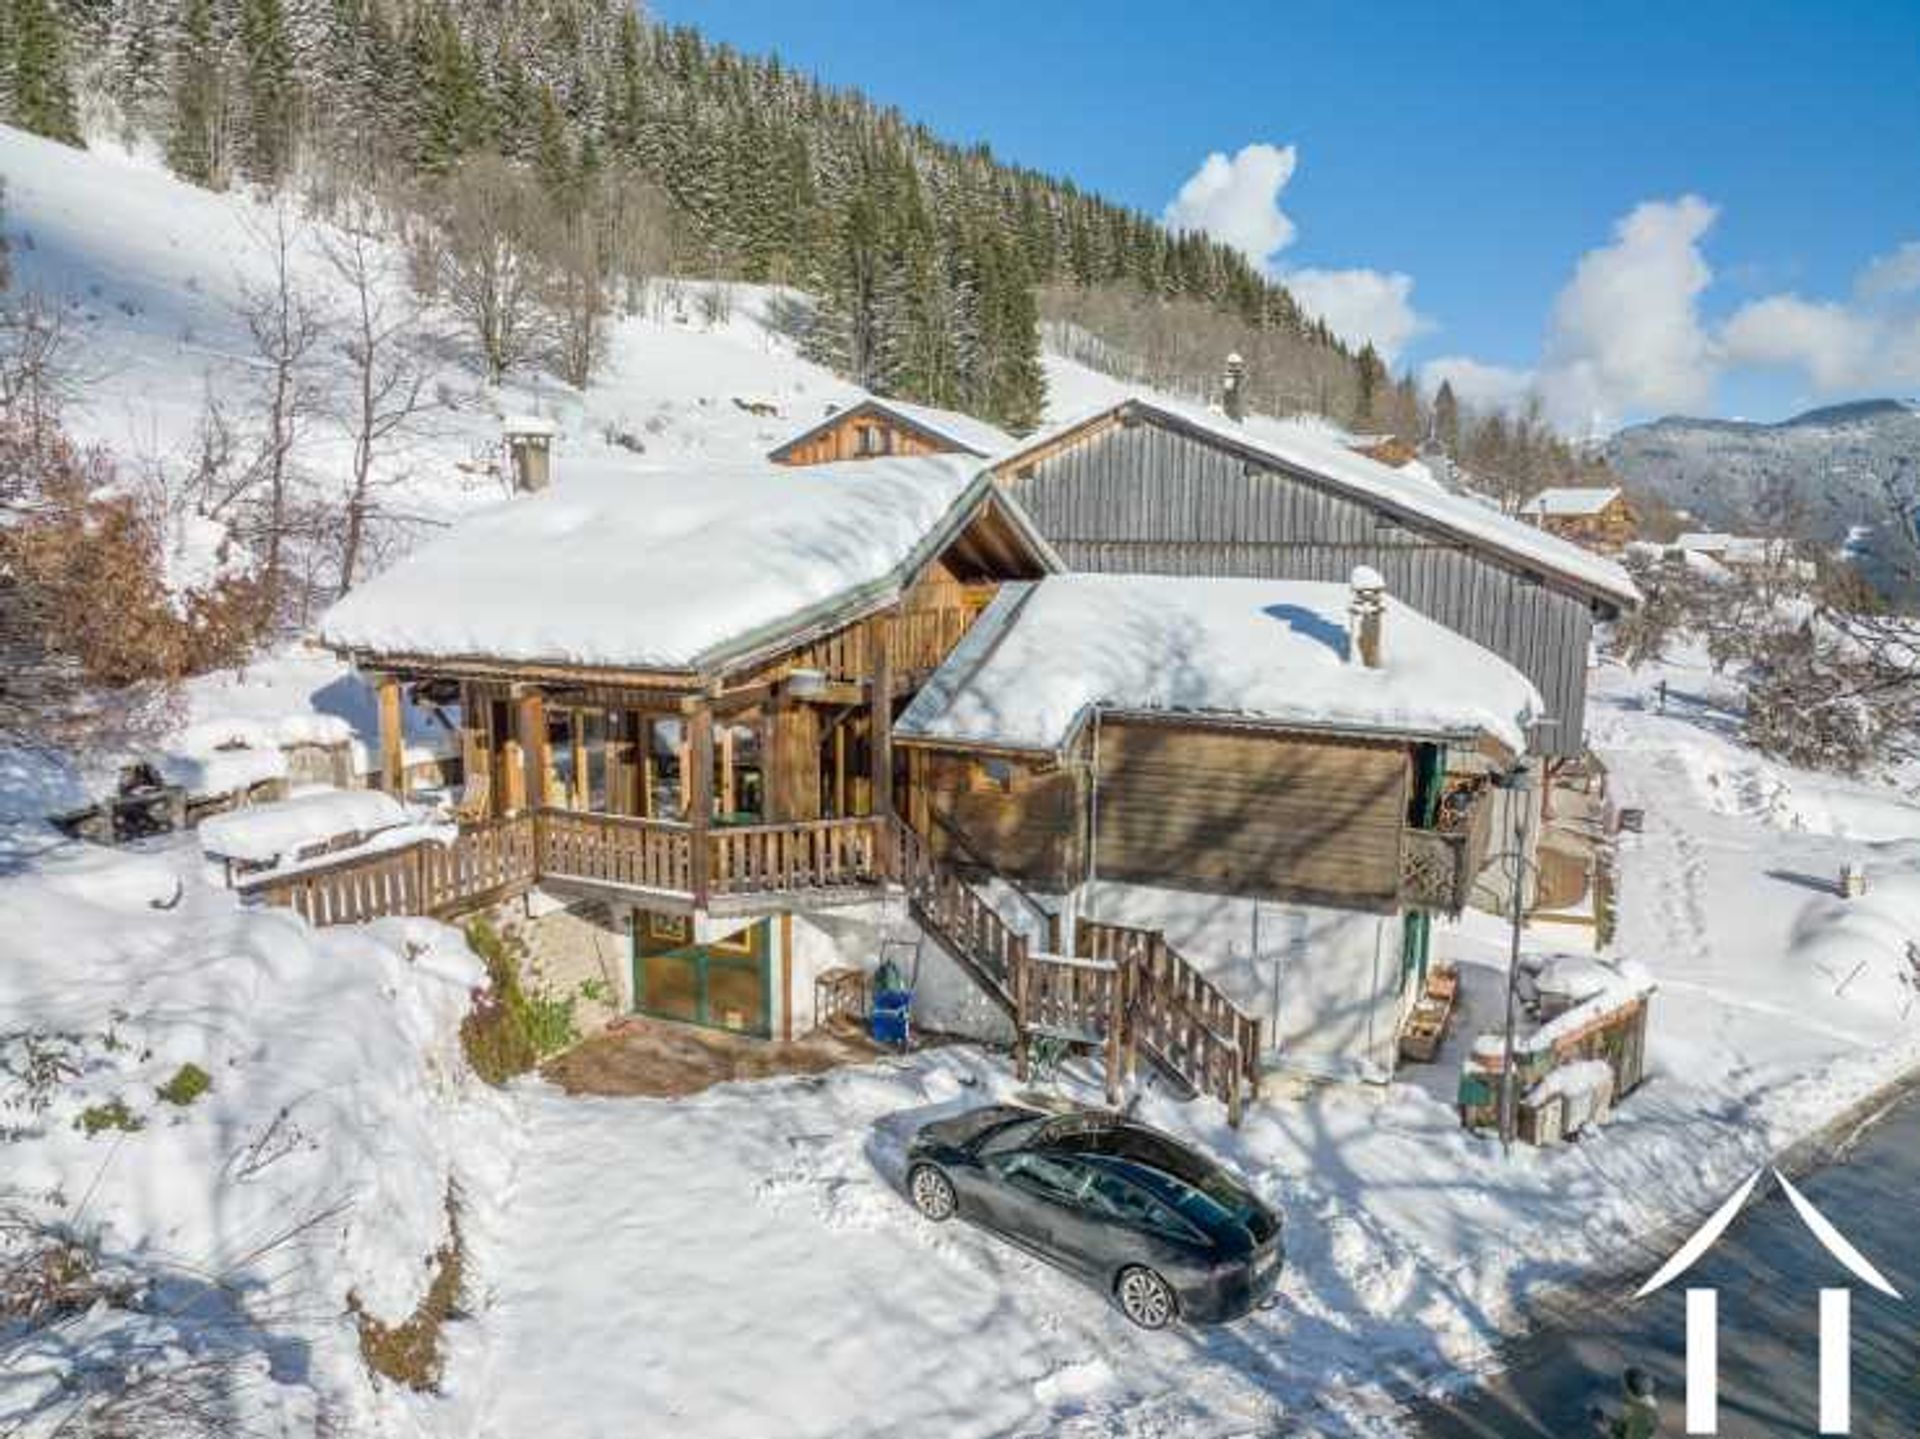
(668, 740)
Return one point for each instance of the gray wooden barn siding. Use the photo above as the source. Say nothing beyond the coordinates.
(1140, 499)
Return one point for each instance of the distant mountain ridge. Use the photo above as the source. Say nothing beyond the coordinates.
(1847, 466)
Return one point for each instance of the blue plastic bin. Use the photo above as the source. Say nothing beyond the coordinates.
(888, 1021)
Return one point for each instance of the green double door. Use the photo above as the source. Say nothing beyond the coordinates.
(726, 984)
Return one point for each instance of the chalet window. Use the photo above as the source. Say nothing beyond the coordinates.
(873, 440)
(562, 775)
(991, 776)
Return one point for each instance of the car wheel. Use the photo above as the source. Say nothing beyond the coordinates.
(1145, 1298)
(932, 1193)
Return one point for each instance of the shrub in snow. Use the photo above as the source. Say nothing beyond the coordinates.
(189, 1082)
(1814, 703)
(112, 1115)
(510, 1030)
(411, 1352)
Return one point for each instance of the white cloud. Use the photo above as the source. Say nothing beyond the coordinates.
(1626, 332)
(1833, 345)
(1362, 305)
(1892, 276)
(1478, 386)
(1871, 342)
(1237, 201)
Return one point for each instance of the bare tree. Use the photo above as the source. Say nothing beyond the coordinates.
(285, 325)
(379, 334)
(489, 272)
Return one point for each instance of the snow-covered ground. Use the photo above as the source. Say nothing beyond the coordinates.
(317, 1162)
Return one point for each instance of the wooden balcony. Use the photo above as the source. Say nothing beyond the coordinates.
(734, 868)
(1435, 872)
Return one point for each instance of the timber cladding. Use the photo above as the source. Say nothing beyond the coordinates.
(862, 433)
(1286, 816)
(1146, 499)
(1023, 820)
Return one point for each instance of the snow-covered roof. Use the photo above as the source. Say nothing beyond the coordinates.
(1045, 655)
(964, 432)
(678, 569)
(1290, 445)
(261, 833)
(1571, 500)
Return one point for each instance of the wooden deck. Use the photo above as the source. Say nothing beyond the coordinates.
(651, 859)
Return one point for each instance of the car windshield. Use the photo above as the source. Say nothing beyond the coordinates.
(1010, 1135)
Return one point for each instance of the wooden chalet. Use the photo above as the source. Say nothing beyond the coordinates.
(731, 713)
(875, 428)
(1600, 517)
(1148, 486)
(1106, 744)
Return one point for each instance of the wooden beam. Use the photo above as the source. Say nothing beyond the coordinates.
(393, 764)
(882, 712)
(786, 974)
(530, 716)
(700, 796)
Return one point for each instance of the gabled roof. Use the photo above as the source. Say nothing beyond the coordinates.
(1413, 499)
(682, 571)
(961, 432)
(1045, 656)
(1571, 500)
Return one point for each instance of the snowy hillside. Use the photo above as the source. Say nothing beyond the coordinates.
(154, 298)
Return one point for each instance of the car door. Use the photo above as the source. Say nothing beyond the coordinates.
(1032, 1197)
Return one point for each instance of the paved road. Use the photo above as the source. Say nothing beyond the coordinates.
(1768, 1270)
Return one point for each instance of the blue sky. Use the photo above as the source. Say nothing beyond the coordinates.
(1482, 156)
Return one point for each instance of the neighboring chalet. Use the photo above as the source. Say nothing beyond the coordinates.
(1149, 486)
(1596, 516)
(876, 428)
(749, 724)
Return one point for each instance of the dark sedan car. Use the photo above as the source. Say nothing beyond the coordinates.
(1165, 1230)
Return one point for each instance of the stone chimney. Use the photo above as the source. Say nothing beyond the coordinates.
(1366, 619)
(1233, 389)
(529, 452)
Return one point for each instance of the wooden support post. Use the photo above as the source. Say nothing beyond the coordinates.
(530, 723)
(1116, 1033)
(476, 758)
(881, 740)
(786, 975)
(393, 739)
(699, 722)
(729, 797)
(1017, 964)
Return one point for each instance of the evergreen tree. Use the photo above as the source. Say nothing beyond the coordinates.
(266, 59)
(196, 134)
(1446, 420)
(42, 91)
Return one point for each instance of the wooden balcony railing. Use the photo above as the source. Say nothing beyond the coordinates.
(484, 861)
(1179, 1015)
(1434, 870)
(804, 855)
(613, 849)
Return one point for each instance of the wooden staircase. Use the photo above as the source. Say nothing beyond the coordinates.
(1127, 993)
